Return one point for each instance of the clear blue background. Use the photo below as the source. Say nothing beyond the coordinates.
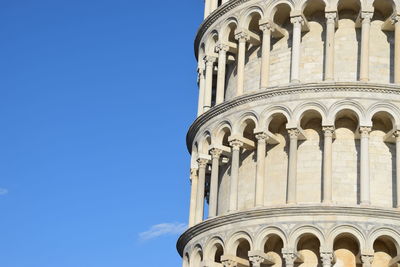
(95, 101)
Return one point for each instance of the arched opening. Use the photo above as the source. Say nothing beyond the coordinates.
(384, 251)
(280, 57)
(346, 251)
(382, 48)
(248, 127)
(347, 41)
(382, 161)
(228, 36)
(312, 63)
(218, 252)
(196, 258)
(308, 247)
(310, 152)
(277, 162)
(346, 156)
(273, 248)
(243, 248)
(210, 50)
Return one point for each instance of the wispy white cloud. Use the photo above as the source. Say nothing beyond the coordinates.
(3, 191)
(162, 229)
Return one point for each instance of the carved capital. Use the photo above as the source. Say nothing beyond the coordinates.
(210, 60)
(202, 162)
(397, 135)
(328, 130)
(256, 260)
(289, 257)
(366, 17)
(242, 36)
(215, 153)
(222, 48)
(294, 133)
(327, 258)
(330, 17)
(236, 144)
(229, 263)
(364, 131)
(193, 174)
(367, 259)
(262, 136)
(394, 19)
(267, 26)
(297, 21)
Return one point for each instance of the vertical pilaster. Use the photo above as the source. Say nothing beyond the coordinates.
(207, 6)
(242, 38)
(266, 28)
(201, 190)
(233, 201)
(201, 91)
(292, 179)
(396, 22)
(330, 46)
(397, 135)
(193, 196)
(209, 60)
(261, 149)
(327, 182)
(296, 46)
(364, 166)
(215, 156)
(365, 36)
(221, 50)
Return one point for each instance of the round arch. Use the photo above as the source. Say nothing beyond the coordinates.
(392, 234)
(212, 246)
(384, 107)
(349, 230)
(304, 230)
(265, 234)
(234, 241)
(272, 9)
(226, 28)
(248, 14)
(347, 105)
(268, 115)
(314, 106)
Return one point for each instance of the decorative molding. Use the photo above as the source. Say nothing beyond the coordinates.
(271, 92)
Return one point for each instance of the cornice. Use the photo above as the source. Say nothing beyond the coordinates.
(219, 12)
(282, 91)
(266, 213)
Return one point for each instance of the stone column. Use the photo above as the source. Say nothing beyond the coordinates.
(266, 28)
(326, 258)
(261, 149)
(289, 259)
(364, 166)
(296, 47)
(209, 60)
(330, 46)
(201, 91)
(212, 208)
(327, 192)
(367, 260)
(242, 37)
(200, 190)
(256, 261)
(193, 196)
(397, 135)
(207, 6)
(233, 198)
(396, 22)
(292, 179)
(365, 32)
(221, 50)
(214, 5)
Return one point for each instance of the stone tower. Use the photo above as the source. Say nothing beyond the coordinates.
(295, 152)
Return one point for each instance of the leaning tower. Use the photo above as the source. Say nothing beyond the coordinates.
(295, 151)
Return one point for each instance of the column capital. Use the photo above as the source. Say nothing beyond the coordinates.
(297, 20)
(327, 258)
(294, 133)
(366, 16)
(397, 134)
(221, 48)
(331, 17)
(209, 60)
(289, 257)
(242, 36)
(236, 144)
(202, 162)
(367, 259)
(267, 26)
(328, 130)
(261, 136)
(394, 19)
(193, 173)
(215, 153)
(256, 259)
(229, 263)
(365, 130)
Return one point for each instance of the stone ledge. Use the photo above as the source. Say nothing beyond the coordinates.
(264, 213)
(270, 92)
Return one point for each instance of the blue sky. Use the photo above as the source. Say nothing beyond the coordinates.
(95, 101)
